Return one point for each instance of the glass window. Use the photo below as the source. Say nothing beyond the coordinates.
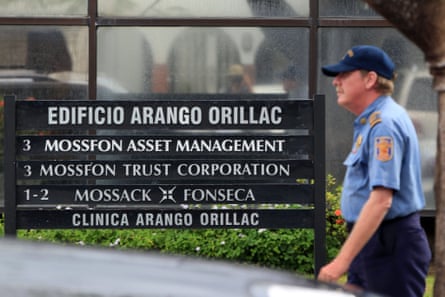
(43, 8)
(413, 91)
(204, 60)
(204, 8)
(44, 62)
(342, 8)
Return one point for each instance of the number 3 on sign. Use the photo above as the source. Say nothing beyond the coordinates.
(26, 145)
(28, 171)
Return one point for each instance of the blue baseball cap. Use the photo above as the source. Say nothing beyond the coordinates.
(363, 57)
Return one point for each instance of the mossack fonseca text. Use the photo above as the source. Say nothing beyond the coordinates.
(164, 115)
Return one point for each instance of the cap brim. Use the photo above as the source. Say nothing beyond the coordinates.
(335, 69)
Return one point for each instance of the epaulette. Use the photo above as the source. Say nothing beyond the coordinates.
(374, 118)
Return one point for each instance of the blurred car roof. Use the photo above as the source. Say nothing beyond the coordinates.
(36, 269)
(26, 83)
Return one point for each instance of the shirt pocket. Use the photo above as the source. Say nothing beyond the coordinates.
(357, 169)
(352, 160)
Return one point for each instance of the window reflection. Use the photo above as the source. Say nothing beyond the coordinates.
(43, 8)
(339, 8)
(43, 62)
(203, 60)
(205, 8)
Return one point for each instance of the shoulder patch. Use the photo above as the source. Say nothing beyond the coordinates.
(374, 118)
(384, 148)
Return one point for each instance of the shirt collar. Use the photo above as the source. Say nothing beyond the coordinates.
(373, 107)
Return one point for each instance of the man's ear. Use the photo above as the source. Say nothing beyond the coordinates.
(371, 79)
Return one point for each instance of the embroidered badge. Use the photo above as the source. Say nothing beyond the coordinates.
(384, 148)
(350, 53)
(374, 118)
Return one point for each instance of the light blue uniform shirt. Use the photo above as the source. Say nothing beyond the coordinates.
(385, 153)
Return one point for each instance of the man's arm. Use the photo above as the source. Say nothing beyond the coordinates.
(370, 218)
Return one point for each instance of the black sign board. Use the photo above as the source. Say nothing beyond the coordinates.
(165, 218)
(165, 115)
(166, 163)
(173, 170)
(282, 146)
(143, 195)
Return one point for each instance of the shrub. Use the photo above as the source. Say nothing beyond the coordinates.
(335, 225)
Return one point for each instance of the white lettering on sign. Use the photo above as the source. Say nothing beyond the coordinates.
(93, 219)
(169, 115)
(164, 145)
(86, 115)
(77, 170)
(218, 195)
(165, 219)
(164, 115)
(149, 145)
(233, 169)
(229, 219)
(83, 145)
(240, 115)
(141, 170)
(112, 195)
(230, 145)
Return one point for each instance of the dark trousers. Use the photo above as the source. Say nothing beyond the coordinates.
(395, 261)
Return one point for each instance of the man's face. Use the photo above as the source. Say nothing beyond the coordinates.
(349, 87)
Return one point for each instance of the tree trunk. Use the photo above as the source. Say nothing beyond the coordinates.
(439, 248)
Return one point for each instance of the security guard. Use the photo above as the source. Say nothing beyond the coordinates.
(387, 250)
